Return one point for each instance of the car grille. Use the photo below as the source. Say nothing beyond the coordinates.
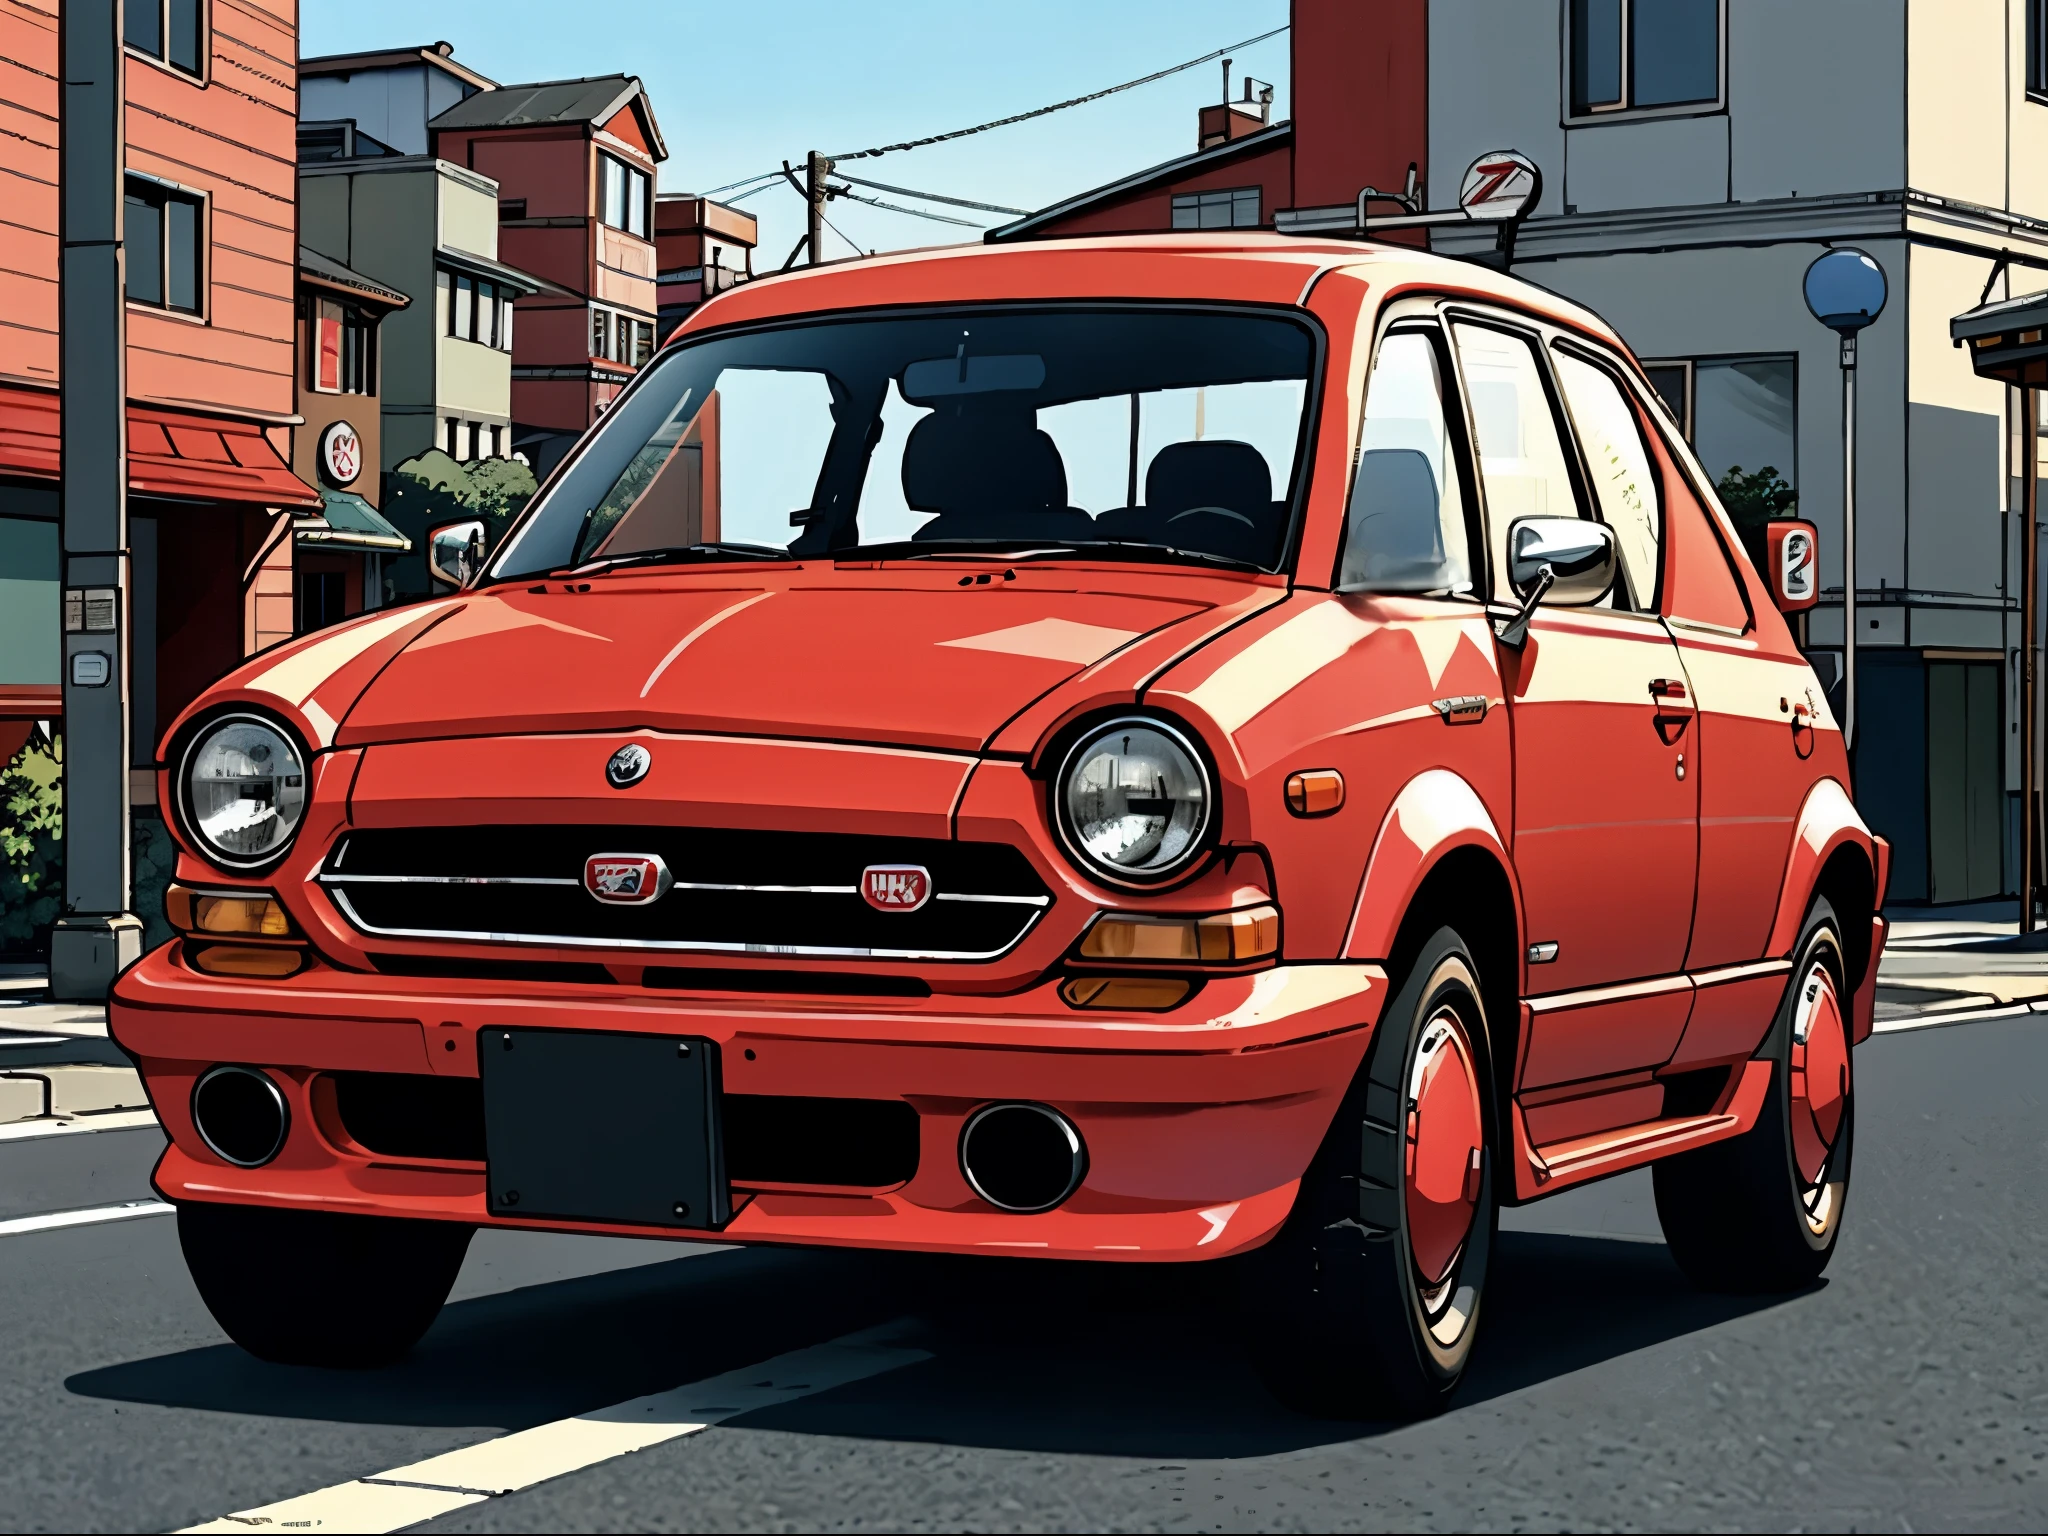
(734, 892)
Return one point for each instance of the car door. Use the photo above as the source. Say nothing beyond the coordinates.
(1605, 834)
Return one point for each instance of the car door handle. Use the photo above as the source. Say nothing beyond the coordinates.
(1671, 709)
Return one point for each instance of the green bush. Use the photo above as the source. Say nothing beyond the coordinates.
(1752, 501)
(31, 847)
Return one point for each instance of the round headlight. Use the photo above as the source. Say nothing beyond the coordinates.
(245, 790)
(1135, 801)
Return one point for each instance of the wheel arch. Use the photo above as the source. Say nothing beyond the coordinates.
(1834, 854)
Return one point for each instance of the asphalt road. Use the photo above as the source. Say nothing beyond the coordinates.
(1909, 1390)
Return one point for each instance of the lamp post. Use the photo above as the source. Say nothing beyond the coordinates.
(2005, 342)
(1845, 289)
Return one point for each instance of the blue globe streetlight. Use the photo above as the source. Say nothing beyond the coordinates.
(1845, 289)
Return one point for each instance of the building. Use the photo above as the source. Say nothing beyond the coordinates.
(574, 162)
(211, 272)
(373, 198)
(1697, 155)
(338, 567)
(702, 248)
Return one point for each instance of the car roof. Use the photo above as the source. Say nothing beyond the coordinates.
(1241, 266)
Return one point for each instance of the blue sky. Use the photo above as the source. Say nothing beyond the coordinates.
(739, 87)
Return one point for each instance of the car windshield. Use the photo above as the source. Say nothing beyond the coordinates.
(1149, 433)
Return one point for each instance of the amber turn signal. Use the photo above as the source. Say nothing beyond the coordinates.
(271, 960)
(1316, 792)
(1135, 992)
(1225, 938)
(254, 915)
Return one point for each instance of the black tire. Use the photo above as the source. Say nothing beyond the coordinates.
(320, 1287)
(1344, 1320)
(1762, 1212)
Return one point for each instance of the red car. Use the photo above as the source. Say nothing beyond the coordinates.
(1142, 750)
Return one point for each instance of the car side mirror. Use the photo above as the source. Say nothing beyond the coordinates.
(455, 552)
(1793, 546)
(1564, 560)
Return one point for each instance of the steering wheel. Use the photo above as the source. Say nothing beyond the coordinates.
(1214, 512)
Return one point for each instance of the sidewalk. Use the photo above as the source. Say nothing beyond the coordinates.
(57, 1066)
(1973, 956)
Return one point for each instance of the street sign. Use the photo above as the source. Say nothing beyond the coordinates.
(1501, 184)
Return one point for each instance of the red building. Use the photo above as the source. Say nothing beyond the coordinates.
(702, 248)
(211, 265)
(1360, 89)
(575, 165)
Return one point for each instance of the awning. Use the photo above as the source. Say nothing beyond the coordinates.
(349, 522)
(186, 454)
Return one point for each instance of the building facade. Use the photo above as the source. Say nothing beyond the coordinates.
(337, 446)
(1697, 155)
(702, 248)
(211, 267)
(574, 162)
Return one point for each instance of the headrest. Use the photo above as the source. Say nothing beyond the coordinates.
(1217, 472)
(963, 461)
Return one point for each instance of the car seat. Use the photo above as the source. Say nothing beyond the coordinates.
(988, 475)
(1213, 495)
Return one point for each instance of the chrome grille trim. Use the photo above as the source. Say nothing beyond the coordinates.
(687, 946)
(328, 877)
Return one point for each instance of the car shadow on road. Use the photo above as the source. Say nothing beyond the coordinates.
(1024, 1356)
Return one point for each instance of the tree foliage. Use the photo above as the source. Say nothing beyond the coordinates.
(433, 488)
(31, 846)
(1752, 500)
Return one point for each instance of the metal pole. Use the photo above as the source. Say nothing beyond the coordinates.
(2030, 714)
(1849, 541)
(97, 935)
(816, 168)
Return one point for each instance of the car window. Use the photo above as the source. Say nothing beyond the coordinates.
(1522, 461)
(1699, 583)
(1618, 464)
(1405, 529)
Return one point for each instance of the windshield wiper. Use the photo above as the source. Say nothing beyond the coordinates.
(676, 554)
(1027, 549)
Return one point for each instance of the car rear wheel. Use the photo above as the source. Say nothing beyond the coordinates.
(1762, 1212)
(320, 1287)
(1367, 1303)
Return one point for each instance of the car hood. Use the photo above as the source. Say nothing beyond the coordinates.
(933, 658)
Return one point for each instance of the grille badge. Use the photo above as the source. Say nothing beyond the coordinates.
(628, 766)
(896, 887)
(626, 879)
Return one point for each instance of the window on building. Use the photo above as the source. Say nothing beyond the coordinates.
(600, 332)
(478, 310)
(2037, 47)
(623, 195)
(344, 350)
(476, 440)
(504, 320)
(1232, 208)
(170, 30)
(1741, 415)
(165, 240)
(643, 342)
(1644, 53)
(451, 437)
(322, 599)
(497, 441)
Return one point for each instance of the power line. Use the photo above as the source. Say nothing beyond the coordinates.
(743, 181)
(930, 197)
(936, 218)
(1058, 106)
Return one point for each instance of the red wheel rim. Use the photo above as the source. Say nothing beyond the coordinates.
(1445, 1150)
(1819, 1076)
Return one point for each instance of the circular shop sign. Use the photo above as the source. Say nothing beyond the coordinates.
(1501, 184)
(341, 454)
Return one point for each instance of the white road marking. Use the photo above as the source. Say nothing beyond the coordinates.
(110, 1120)
(1939, 1017)
(423, 1490)
(50, 1221)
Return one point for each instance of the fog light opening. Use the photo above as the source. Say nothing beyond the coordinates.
(241, 1115)
(1022, 1158)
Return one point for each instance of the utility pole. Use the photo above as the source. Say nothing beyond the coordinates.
(2030, 724)
(816, 169)
(97, 936)
(1849, 541)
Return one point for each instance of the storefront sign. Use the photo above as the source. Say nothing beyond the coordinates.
(341, 454)
(1502, 184)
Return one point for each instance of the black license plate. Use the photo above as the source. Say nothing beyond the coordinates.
(582, 1125)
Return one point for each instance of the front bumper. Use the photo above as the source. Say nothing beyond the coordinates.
(1199, 1122)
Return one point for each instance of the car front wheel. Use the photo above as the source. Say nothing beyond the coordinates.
(320, 1287)
(1762, 1211)
(1367, 1303)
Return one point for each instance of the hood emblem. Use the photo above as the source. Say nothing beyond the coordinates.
(896, 887)
(628, 766)
(626, 879)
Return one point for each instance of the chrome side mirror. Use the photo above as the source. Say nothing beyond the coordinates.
(455, 552)
(1564, 560)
